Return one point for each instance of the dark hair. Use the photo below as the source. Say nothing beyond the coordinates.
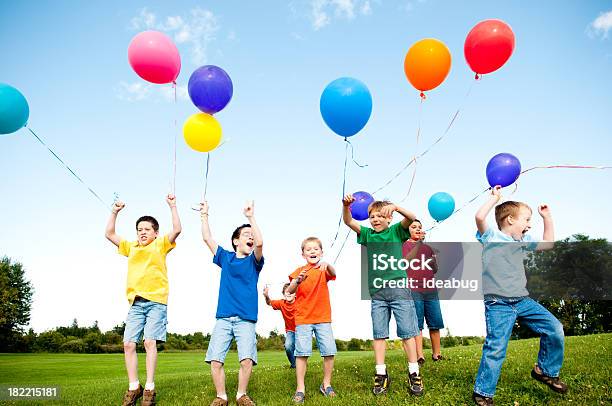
(236, 233)
(150, 220)
(417, 221)
(285, 286)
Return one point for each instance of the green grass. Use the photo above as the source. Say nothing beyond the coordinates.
(184, 379)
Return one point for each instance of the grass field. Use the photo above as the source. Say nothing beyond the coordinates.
(184, 379)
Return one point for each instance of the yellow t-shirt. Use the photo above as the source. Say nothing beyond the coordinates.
(147, 274)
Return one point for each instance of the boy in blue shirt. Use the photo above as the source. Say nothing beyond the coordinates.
(506, 296)
(237, 305)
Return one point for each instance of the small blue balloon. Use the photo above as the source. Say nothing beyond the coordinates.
(503, 169)
(441, 205)
(359, 208)
(346, 105)
(210, 88)
(14, 109)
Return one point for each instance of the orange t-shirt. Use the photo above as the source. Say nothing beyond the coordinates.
(312, 297)
(288, 311)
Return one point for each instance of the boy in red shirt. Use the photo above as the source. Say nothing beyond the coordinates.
(313, 315)
(287, 308)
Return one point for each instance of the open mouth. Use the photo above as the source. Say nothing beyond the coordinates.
(249, 244)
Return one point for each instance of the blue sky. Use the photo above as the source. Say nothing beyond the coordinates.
(548, 105)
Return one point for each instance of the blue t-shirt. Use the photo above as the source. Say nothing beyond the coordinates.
(503, 271)
(238, 287)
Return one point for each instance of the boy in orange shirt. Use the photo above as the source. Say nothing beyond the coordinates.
(313, 314)
(287, 308)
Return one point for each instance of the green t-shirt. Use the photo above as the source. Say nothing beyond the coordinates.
(387, 242)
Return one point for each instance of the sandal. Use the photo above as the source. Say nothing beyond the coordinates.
(327, 392)
(298, 398)
(553, 383)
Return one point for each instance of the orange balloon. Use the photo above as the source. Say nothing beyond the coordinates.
(427, 64)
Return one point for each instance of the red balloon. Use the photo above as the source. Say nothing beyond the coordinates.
(488, 46)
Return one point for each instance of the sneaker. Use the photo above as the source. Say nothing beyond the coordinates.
(553, 383)
(298, 398)
(421, 361)
(148, 398)
(439, 358)
(219, 402)
(131, 396)
(245, 400)
(327, 392)
(482, 400)
(416, 384)
(381, 384)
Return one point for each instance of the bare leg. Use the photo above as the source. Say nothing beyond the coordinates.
(419, 345)
(131, 361)
(328, 368)
(380, 346)
(151, 349)
(301, 364)
(435, 342)
(246, 367)
(218, 376)
(409, 345)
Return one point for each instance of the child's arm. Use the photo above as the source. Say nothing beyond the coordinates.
(483, 212)
(265, 295)
(249, 212)
(548, 239)
(325, 267)
(206, 235)
(346, 214)
(110, 233)
(296, 281)
(176, 222)
(409, 216)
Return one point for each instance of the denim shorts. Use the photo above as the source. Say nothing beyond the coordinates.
(399, 302)
(226, 329)
(146, 318)
(427, 307)
(322, 332)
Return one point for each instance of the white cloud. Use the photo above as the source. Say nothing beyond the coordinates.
(601, 25)
(366, 9)
(137, 91)
(144, 21)
(322, 12)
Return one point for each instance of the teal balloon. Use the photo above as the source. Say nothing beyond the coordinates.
(14, 109)
(441, 205)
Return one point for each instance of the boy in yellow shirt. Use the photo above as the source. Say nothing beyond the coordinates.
(147, 293)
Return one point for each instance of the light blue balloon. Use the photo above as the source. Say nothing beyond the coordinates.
(346, 105)
(441, 205)
(14, 110)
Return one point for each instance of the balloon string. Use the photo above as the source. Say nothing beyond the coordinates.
(342, 246)
(413, 160)
(68, 168)
(206, 176)
(437, 223)
(416, 148)
(343, 190)
(174, 132)
(353, 155)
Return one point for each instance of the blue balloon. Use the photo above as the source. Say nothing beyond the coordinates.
(503, 169)
(441, 205)
(359, 208)
(346, 105)
(14, 109)
(210, 88)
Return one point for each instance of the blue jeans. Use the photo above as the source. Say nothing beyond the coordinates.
(500, 315)
(290, 347)
(226, 329)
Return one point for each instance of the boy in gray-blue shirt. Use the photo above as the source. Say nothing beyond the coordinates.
(506, 296)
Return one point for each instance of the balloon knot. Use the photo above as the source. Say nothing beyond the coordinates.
(477, 77)
(423, 96)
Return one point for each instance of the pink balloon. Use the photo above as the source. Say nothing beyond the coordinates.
(154, 57)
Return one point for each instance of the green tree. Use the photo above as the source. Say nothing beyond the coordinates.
(15, 303)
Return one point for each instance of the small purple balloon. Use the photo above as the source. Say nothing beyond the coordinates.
(503, 169)
(210, 88)
(359, 208)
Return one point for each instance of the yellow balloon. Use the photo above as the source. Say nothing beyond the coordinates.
(202, 132)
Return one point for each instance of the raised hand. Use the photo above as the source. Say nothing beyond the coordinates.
(171, 200)
(348, 199)
(544, 210)
(118, 206)
(249, 209)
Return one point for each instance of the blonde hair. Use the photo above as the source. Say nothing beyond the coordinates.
(509, 208)
(312, 239)
(377, 205)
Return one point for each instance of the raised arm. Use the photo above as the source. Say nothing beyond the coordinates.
(110, 233)
(249, 212)
(409, 216)
(176, 222)
(206, 235)
(548, 238)
(325, 267)
(483, 212)
(346, 214)
(265, 295)
(296, 281)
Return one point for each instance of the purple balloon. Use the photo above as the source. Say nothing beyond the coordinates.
(359, 208)
(210, 88)
(503, 169)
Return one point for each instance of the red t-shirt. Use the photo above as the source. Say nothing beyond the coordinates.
(312, 297)
(288, 311)
(418, 275)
